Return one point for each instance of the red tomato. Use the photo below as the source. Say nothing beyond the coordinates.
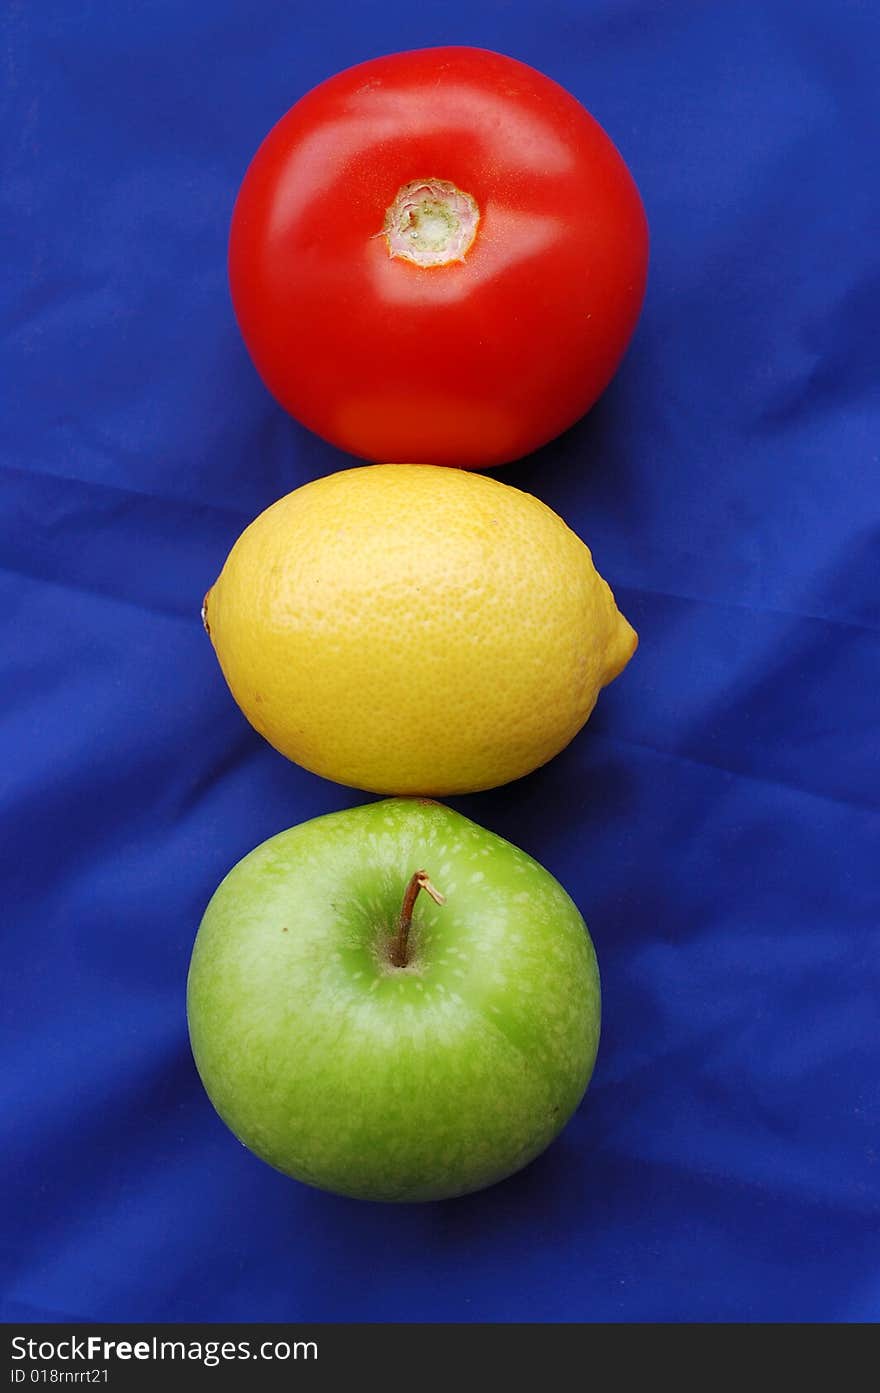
(438, 257)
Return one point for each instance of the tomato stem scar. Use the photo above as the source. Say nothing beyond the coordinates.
(431, 223)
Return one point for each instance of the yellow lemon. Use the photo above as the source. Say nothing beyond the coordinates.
(408, 629)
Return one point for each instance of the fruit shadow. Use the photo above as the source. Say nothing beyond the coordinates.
(452, 1250)
(595, 466)
(565, 814)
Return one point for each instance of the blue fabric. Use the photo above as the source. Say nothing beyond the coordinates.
(717, 820)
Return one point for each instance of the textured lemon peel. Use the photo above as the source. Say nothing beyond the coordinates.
(379, 628)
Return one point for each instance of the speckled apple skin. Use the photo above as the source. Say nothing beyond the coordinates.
(384, 1083)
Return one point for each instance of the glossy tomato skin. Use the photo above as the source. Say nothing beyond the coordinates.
(473, 363)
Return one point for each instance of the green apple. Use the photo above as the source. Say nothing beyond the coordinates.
(380, 1042)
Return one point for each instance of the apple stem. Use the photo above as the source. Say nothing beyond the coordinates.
(419, 881)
